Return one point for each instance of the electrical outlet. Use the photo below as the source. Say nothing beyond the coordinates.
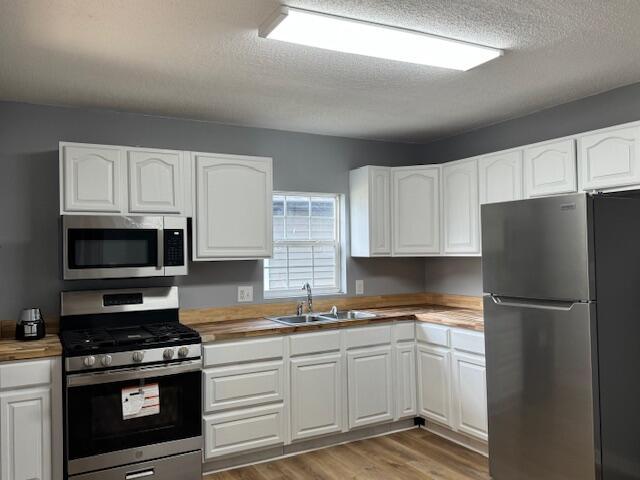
(245, 293)
(359, 287)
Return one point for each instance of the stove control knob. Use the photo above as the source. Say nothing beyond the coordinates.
(89, 361)
(138, 356)
(183, 352)
(106, 361)
(168, 354)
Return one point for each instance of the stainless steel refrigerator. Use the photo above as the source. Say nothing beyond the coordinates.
(561, 277)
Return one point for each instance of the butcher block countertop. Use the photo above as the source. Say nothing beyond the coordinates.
(216, 330)
(256, 327)
(12, 349)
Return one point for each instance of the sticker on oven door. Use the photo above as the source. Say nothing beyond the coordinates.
(140, 401)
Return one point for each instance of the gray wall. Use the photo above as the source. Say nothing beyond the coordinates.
(463, 275)
(29, 247)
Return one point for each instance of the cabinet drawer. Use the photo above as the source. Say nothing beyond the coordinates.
(314, 342)
(25, 374)
(468, 341)
(367, 336)
(243, 386)
(405, 330)
(433, 334)
(243, 430)
(243, 351)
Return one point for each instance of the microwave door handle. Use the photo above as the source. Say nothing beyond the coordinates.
(160, 260)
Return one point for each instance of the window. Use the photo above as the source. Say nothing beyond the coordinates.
(306, 245)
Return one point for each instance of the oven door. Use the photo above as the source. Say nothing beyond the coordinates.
(132, 415)
(112, 247)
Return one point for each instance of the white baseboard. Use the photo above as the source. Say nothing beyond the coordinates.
(297, 448)
(468, 442)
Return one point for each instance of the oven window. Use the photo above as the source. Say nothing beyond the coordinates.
(112, 248)
(95, 422)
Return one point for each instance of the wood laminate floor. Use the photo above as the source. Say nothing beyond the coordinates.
(411, 455)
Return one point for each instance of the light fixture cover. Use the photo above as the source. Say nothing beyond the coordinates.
(341, 34)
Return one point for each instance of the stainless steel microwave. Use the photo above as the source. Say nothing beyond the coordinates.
(100, 246)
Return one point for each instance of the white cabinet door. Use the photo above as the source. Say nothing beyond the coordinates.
(405, 361)
(316, 396)
(609, 158)
(25, 434)
(434, 383)
(460, 206)
(416, 210)
(380, 211)
(91, 178)
(243, 430)
(470, 394)
(500, 177)
(156, 179)
(236, 386)
(550, 168)
(370, 384)
(370, 211)
(233, 207)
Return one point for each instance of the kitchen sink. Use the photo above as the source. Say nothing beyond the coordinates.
(348, 315)
(302, 319)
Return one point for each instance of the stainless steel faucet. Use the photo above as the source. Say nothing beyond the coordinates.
(307, 287)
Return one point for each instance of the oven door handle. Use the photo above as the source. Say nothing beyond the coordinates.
(110, 376)
(140, 474)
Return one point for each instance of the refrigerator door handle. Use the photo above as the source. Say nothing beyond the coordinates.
(562, 305)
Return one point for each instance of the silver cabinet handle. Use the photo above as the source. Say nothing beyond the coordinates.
(144, 473)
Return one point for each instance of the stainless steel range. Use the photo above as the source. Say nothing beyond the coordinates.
(132, 386)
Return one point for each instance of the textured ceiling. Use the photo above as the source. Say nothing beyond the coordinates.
(203, 59)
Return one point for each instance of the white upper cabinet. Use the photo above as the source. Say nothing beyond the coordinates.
(460, 206)
(90, 178)
(118, 180)
(370, 211)
(156, 181)
(416, 210)
(233, 207)
(609, 158)
(550, 168)
(500, 177)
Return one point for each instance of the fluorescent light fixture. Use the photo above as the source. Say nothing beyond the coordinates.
(331, 32)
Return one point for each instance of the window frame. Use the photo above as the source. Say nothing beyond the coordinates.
(336, 243)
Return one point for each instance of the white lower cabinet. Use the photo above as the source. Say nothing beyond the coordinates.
(434, 392)
(30, 410)
(275, 391)
(25, 429)
(316, 395)
(243, 430)
(405, 374)
(470, 387)
(369, 377)
(240, 386)
(452, 387)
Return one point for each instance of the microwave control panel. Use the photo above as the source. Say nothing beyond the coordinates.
(173, 247)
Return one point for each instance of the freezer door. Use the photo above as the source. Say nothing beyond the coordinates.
(538, 248)
(540, 384)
